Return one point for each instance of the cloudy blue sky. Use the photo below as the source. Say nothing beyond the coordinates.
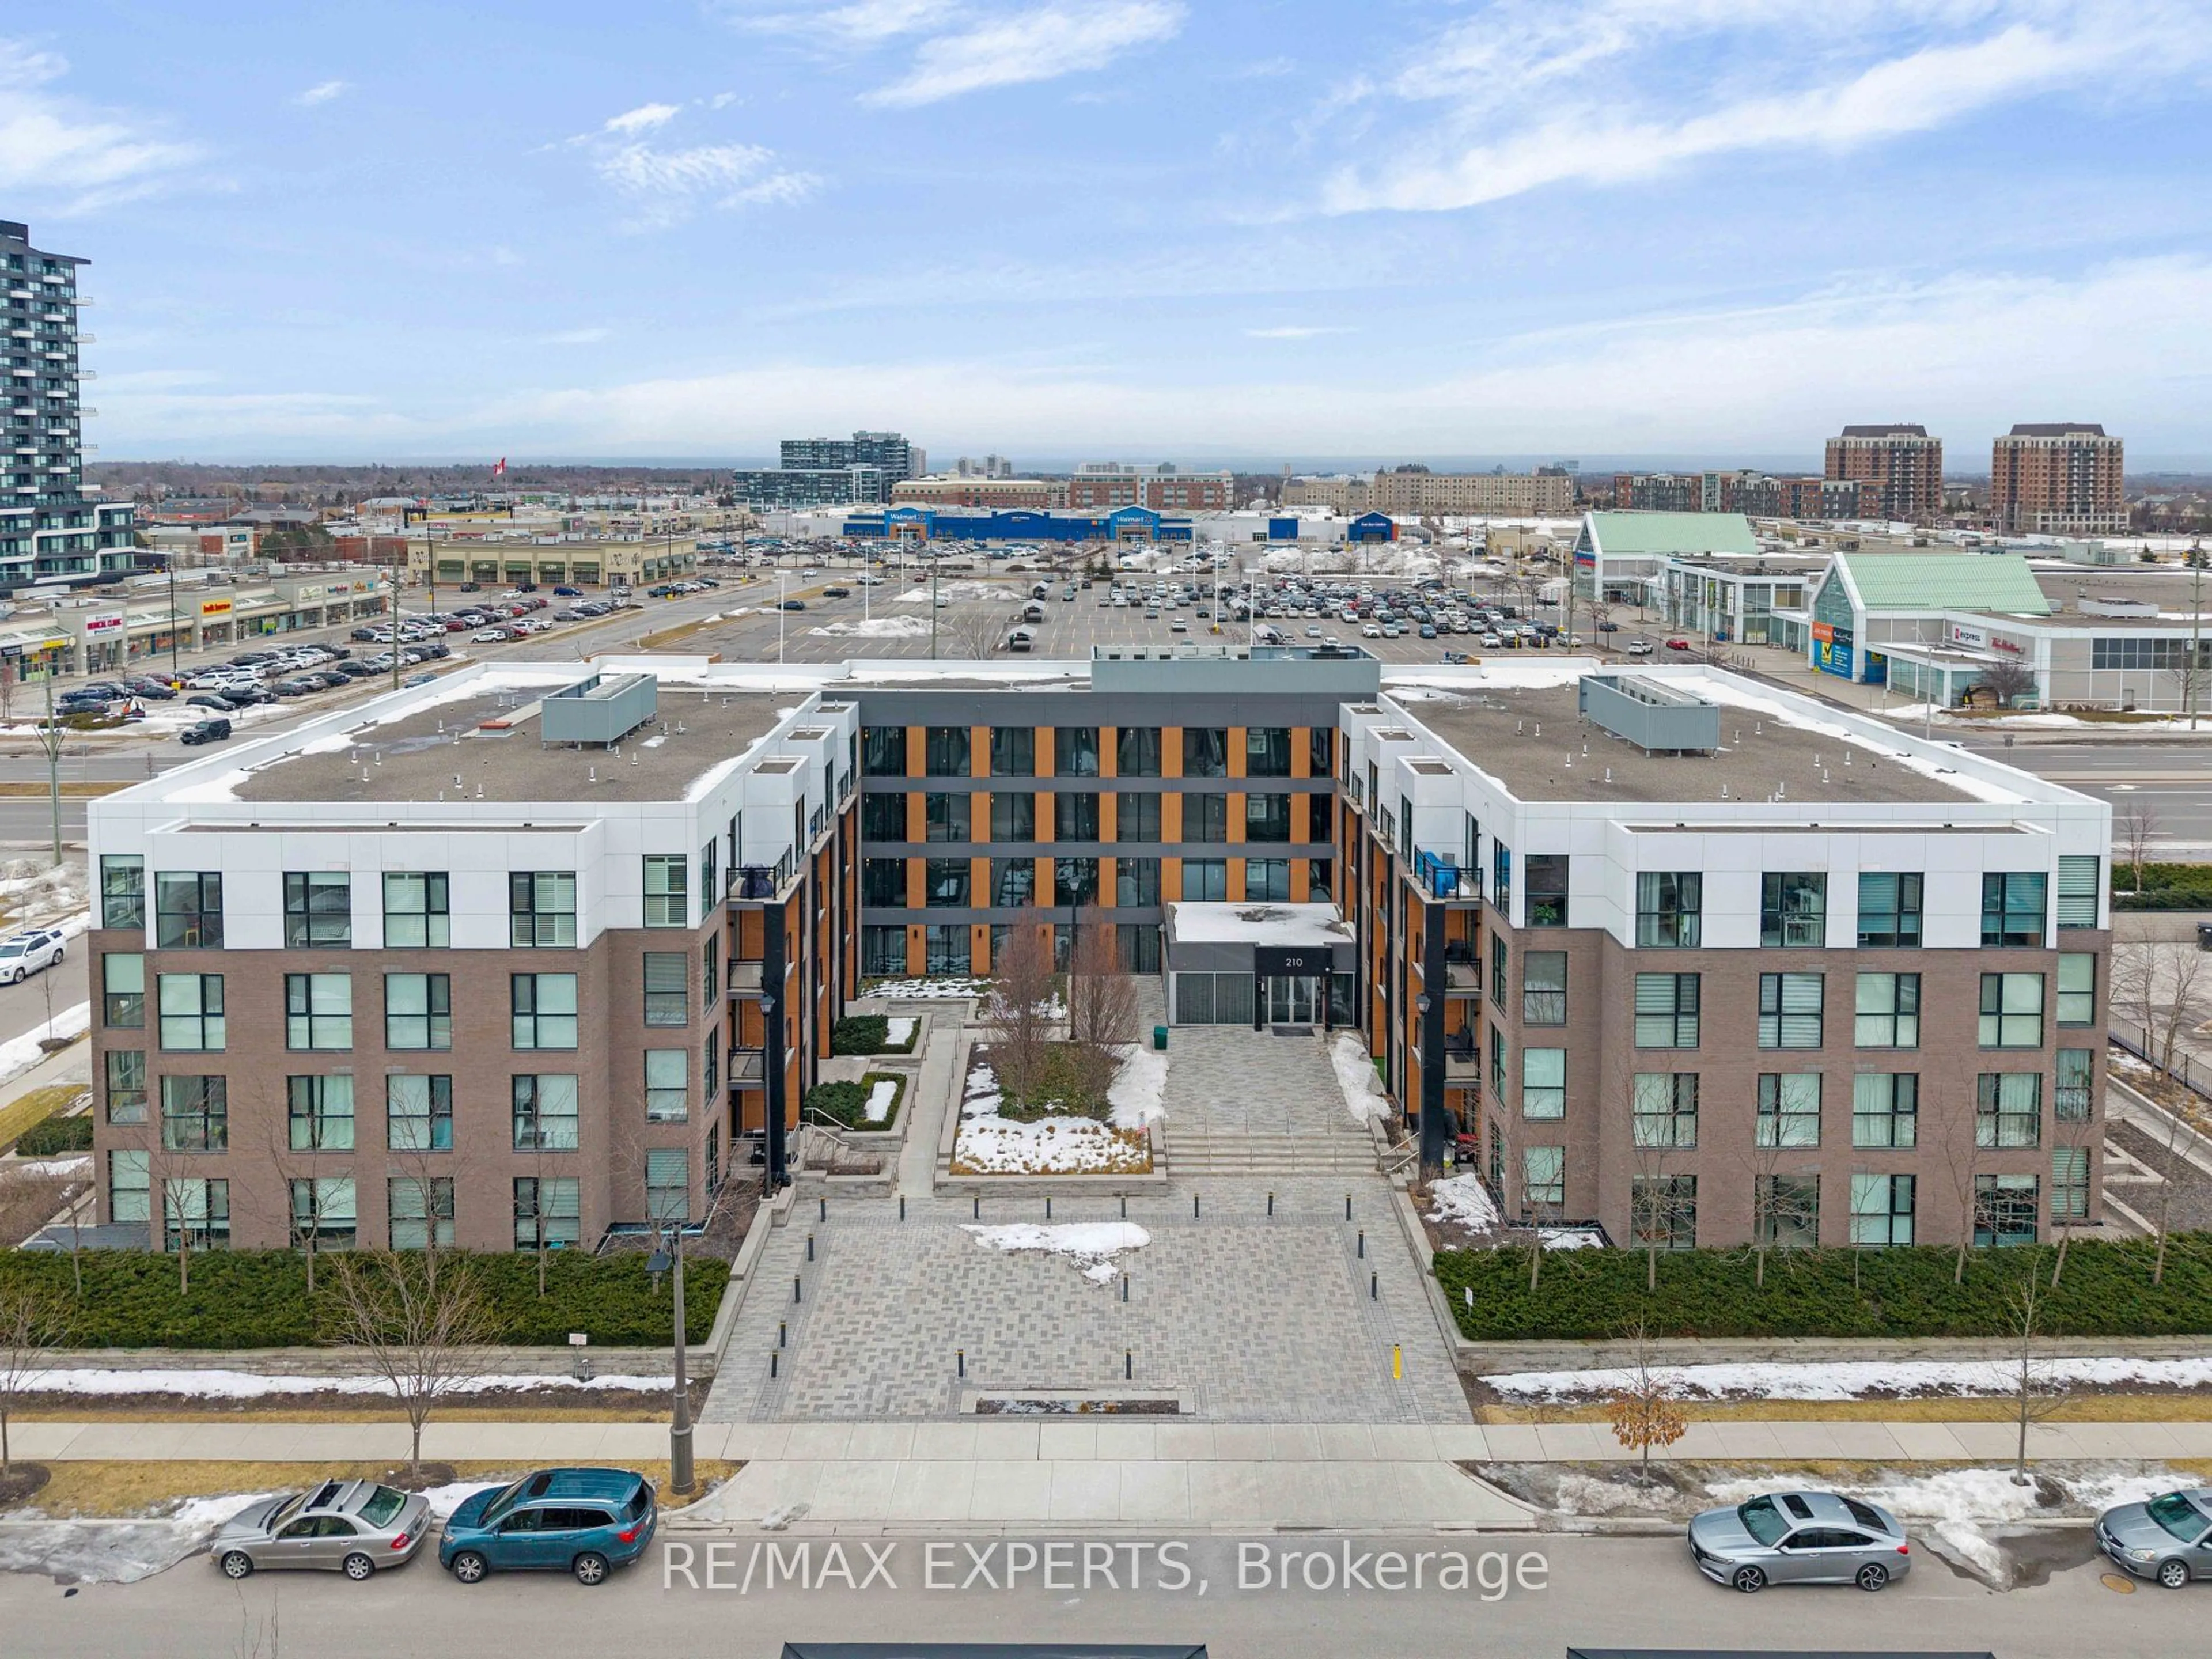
(1273, 229)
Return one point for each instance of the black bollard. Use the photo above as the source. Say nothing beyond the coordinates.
(794, 1287)
(1363, 1244)
(771, 1362)
(902, 1207)
(1047, 1207)
(1270, 1203)
(1374, 1287)
(782, 1333)
(823, 1215)
(1347, 1206)
(810, 1245)
(978, 1201)
(960, 1356)
(1129, 1365)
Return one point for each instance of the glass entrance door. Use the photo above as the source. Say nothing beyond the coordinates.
(1290, 999)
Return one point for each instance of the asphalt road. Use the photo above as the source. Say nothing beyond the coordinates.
(24, 1007)
(2170, 777)
(1599, 1592)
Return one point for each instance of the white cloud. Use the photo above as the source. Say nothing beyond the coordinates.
(575, 337)
(644, 119)
(321, 92)
(66, 156)
(1292, 332)
(667, 184)
(1042, 44)
(857, 25)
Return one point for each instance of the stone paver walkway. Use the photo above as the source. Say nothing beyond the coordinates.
(1231, 1079)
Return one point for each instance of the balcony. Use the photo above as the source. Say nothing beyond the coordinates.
(1440, 875)
(744, 977)
(748, 1068)
(1462, 1060)
(1463, 973)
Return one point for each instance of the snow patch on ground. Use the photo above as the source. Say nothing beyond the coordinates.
(875, 628)
(34, 890)
(1463, 1201)
(248, 1385)
(1139, 1087)
(1355, 1076)
(988, 1144)
(1092, 1245)
(19, 1054)
(898, 1032)
(880, 1097)
(928, 990)
(1858, 1379)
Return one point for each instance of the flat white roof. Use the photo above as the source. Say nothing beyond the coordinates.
(1256, 923)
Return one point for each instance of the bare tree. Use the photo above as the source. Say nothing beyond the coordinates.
(424, 1336)
(1019, 1011)
(2156, 982)
(2037, 1389)
(1659, 1203)
(2075, 1132)
(1644, 1410)
(179, 1200)
(1957, 1117)
(31, 1328)
(2007, 681)
(2137, 825)
(1102, 1000)
(978, 630)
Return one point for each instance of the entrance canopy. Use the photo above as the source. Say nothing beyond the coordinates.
(1258, 962)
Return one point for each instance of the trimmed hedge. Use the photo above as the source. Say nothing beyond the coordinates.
(2164, 886)
(870, 1034)
(259, 1298)
(848, 1102)
(2105, 1292)
(56, 1134)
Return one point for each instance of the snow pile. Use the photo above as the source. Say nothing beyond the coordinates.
(876, 627)
(1091, 1245)
(1355, 1076)
(32, 891)
(928, 990)
(1859, 1379)
(1463, 1201)
(249, 1385)
(988, 1144)
(1139, 1088)
(879, 1100)
(898, 1032)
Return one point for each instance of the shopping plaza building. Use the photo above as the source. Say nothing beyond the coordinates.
(538, 952)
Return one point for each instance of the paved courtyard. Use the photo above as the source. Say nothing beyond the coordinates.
(1231, 1079)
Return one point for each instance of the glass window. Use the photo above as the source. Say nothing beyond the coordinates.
(882, 883)
(2012, 909)
(1137, 882)
(1321, 817)
(418, 1010)
(1544, 1177)
(1881, 1210)
(1793, 909)
(130, 1186)
(2072, 1100)
(2012, 1011)
(667, 992)
(1267, 818)
(1546, 877)
(1667, 1011)
(1889, 909)
(318, 909)
(1885, 1108)
(1663, 1211)
(667, 1085)
(1013, 816)
(1205, 880)
(1886, 1014)
(883, 817)
(319, 1011)
(947, 949)
(882, 950)
(2006, 1210)
(882, 752)
(319, 1112)
(1075, 752)
(544, 1010)
(2077, 988)
(1205, 751)
(418, 1113)
(1787, 1211)
(1543, 1083)
(1320, 877)
(944, 817)
(668, 1183)
(1789, 1108)
(1267, 879)
(1321, 746)
(541, 906)
(2070, 1184)
(122, 890)
(1543, 988)
(1668, 908)
(2008, 1110)
(1137, 751)
(1074, 881)
(419, 1210)
(545, 1111)
(416, 909)
(1137, 947)
(190, 1007)
(1267, 752)
(1665, 1108)
(547, 1211)
(195, 1209)
(1790, 1015)
(123, 989)
(1013, 752)
(1205, 817)
(946, 883)
(1497, 960)
(1136, 817)
(1013, 883)
(195, 1114)
(944, 751)
(1496, 1062)
(2080, 881)
(668, 901)
(1075, 817)
(710, 1059)
(188, 910)
(125, 1086)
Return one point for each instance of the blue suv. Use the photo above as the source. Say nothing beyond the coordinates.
(580, 1521)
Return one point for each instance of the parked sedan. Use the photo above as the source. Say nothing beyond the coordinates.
(491, 635)
(24, 954)
(1799, 1538)
(352, 1526)
(2169, 1538)
(584, 1521)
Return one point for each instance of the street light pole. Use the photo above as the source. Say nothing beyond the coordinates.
(175, 673)
(2196, 629)
(50, 739)
(679, 1427)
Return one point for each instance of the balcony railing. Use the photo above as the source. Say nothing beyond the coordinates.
(1441, 877)
(1462, 1059)
(747, 1067)
(744, 977)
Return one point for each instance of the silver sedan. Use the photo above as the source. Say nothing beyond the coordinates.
(354, 1527)
(1799, 1538)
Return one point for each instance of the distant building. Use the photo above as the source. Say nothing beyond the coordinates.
(1904, 461)
(930, 524)
(1757, 493)
(1101, 486)
(1549, 493)
(1620, 556)
(50, 528)
(975, 489)
(991, 466)
(2058, 478)
(888, 452)
(812, 486)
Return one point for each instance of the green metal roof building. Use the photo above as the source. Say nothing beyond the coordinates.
(1869, 600)
(1619, 553)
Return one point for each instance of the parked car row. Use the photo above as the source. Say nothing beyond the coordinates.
(583, 1522)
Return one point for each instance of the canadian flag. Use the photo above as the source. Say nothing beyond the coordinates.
(499, 468)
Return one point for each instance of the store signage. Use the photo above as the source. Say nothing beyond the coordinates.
(215, 607)
(1274, 961)
(103, 624)
(1974, 639)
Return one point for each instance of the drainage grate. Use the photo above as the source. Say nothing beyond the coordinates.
(1154, 1406)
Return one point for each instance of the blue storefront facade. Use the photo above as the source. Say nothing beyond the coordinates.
(929, 524)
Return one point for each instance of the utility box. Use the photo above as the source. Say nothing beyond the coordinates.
(600, 711)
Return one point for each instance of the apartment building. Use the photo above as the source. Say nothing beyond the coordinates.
(2058, 478)
(1163, 488)
(890, 453)
(1700, 950)
(1904, 463)
(1547, 494)
(979, 489)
